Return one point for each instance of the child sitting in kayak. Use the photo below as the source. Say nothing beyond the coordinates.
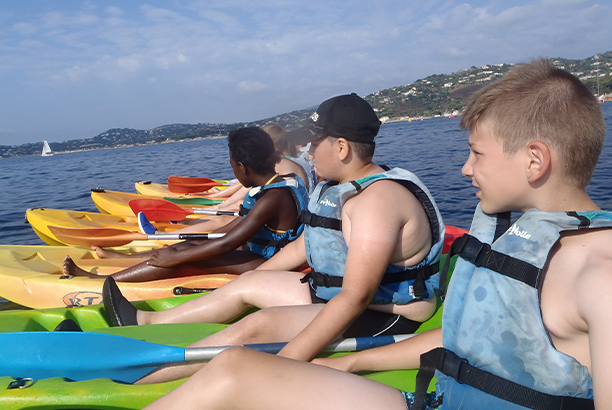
(373, 239)
(301, 167)
(271, 209)
(527, 318)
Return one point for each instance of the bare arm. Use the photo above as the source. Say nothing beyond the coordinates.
(291, 257)
(402, 355)
(373, 238)
(264, 210)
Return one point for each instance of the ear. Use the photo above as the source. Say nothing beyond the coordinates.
(539, 160)
(344, 148)
(245, 170)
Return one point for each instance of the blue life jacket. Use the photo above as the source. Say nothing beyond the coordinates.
(266, 243)
(497, 352)
(308, 170)
(326, 249)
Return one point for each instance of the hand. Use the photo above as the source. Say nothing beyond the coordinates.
(166, 257)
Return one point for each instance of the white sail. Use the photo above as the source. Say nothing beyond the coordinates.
(46, 151)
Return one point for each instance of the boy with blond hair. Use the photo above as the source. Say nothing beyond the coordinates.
(526, 320)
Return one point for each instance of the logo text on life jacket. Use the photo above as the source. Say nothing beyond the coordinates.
(82, 299)
(327, 202)
(514, 230)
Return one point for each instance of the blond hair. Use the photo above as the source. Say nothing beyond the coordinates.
(539, 102)
(277, 133)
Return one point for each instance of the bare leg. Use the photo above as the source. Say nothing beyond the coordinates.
(274, 324)
(261, 289)
(235, 263)
(287, 311)
(245, 379)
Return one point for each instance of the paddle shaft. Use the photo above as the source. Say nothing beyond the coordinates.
(342, 345)
(174, 236)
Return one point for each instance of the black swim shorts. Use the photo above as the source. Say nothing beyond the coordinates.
(374, 323)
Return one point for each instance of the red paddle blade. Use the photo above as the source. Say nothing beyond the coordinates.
(107, 237)
(186, 185)
(156, 209)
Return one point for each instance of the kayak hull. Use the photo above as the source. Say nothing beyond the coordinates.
(32, 276)
(41, 218)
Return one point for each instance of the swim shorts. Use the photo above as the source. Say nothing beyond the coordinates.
(374, 323)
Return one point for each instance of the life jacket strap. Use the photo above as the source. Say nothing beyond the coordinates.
(480, 254)
(419, 275)
(463, 372)
(314, 220)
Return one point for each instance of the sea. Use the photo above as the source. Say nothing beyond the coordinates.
(434, 149)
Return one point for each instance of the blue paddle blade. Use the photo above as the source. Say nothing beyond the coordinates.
(81, 356)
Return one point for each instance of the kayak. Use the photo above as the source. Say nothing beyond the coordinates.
(117, 203)
(58, 393)
(41, 218)
(154, 189)
(179, 184)
(32, 276)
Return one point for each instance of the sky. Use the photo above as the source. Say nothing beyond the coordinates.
(74, 69)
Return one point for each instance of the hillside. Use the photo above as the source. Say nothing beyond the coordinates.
(436, 95)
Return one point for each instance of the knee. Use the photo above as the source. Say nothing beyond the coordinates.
(255, 325)
(229, 367)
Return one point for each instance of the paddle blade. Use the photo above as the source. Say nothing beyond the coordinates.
(186, 185)
(156, 209)
(81, 356)
(107, 237)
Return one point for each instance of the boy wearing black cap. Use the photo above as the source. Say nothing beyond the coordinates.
(373, 239)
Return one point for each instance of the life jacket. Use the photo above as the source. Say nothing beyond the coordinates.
(497, 352)
(326, 249)
(308, 171)
(266, 243)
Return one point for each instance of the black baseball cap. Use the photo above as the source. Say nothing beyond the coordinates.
(346, 116)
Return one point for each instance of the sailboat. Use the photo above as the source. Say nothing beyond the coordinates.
(46, 151)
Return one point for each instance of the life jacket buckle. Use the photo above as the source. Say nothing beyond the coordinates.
(455, 367)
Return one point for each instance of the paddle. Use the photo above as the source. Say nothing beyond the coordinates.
(186, 185)
(109, 237)
(84, 356)
(156, 209)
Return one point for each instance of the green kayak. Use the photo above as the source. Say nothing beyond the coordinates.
(59, 393)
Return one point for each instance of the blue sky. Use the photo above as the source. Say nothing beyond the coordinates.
(74, 69)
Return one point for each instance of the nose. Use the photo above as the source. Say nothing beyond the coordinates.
(467, 169)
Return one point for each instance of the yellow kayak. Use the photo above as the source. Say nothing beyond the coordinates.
(157, 190)
(32, 276)
(117, 203)
(41, 218)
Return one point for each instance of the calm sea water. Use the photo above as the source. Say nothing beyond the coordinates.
(434, 149)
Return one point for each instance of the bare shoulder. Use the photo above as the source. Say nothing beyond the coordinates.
(286, 166)
(589, 255)
(386, 195)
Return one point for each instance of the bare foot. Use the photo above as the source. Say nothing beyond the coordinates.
(71, 269)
